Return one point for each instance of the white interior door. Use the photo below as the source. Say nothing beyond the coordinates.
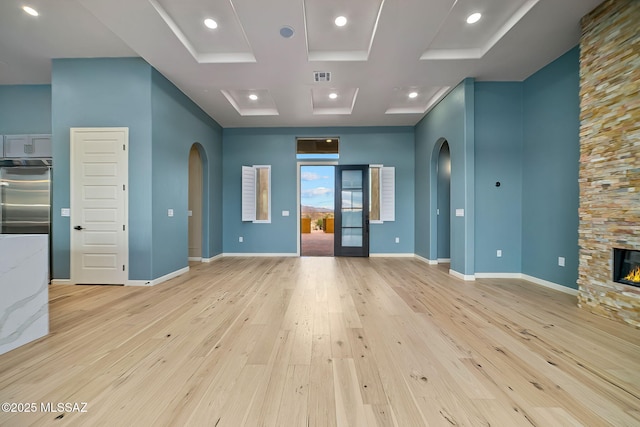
(99, 187)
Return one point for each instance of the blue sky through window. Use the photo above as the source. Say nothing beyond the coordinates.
(317, 186)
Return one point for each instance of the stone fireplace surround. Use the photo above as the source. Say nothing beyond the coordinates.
(609, 156)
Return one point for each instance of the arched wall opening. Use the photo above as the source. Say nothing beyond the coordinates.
(443, 207)
(440, 201)
(198, 204)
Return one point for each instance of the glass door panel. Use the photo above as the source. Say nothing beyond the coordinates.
(352, 220)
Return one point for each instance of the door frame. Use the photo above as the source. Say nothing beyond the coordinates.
(124, 247)
(299, 199)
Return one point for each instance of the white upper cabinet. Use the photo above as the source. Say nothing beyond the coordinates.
(20, 146)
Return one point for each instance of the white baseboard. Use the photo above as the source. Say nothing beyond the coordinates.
(195, 258)
(423, 259)
(60, 281)
(139, 283)
(392, 255)
(213, 258)
(532, 279)
(498, 275)
(465, 277)
(159, 279)
(444, 260)
(551, 285)
(260, 254)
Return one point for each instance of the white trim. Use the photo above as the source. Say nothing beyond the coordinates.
(195, 258)
(547, 284)
(61, 282)
(534, 280)
(465, 277)
(260, 254)
(159, 279)
(139, 283)
(444, 260)
(213, 258)
(392, 255)
(499, 275)
(423, 259)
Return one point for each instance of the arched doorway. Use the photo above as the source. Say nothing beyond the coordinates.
(443, 208)
(195, 204)
(440, 226)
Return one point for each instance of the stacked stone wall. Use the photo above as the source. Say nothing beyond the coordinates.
(609, 155)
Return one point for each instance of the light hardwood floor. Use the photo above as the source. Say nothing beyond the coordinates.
(324, 342)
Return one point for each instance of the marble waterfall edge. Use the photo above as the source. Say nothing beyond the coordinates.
(24, 301)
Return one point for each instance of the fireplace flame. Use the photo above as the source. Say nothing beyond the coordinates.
(634, 275)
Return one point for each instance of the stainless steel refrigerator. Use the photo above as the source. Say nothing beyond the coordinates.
(25, 197)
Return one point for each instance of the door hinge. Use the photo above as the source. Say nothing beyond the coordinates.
(122, 267)
(124, 187)
(123, 229)
(124, 147)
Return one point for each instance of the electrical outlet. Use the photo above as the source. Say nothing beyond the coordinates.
(240, 239)
(499, 253)
(561, 261)
(397, 240)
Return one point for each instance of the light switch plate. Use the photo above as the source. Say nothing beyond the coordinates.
(459, 212)
(189, 213)
(65, 212)
(285, 213)
(499, 253)
(561, 261)
(170, 212)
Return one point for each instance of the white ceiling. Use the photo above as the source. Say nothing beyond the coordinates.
(387, 49)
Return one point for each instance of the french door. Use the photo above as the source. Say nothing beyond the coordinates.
(352, 211)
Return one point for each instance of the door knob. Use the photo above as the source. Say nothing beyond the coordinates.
(78, 227)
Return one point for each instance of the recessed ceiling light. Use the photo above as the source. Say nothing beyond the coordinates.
(253, 97)
(341, 21)
(210, 23)
(413, 95)
(473, 18)
(333, 95)
(31, 11)
(287, 32)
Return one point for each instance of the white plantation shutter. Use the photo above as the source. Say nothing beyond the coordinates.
(248, 193)
(388, 193)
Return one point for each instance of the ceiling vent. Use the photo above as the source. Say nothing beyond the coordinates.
(321, 76)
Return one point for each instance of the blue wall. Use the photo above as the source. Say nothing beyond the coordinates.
(276, 147)
(498, 155)
(163, 124)
(177, 124)
(25, 109)
(550, 171)
(451, 120)
(103, 93)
